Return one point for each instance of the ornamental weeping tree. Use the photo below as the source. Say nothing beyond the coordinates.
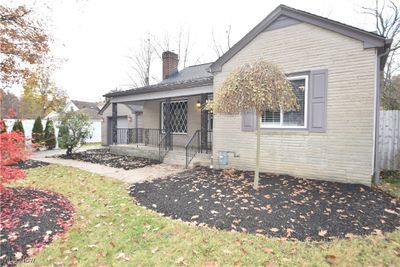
(261, 86)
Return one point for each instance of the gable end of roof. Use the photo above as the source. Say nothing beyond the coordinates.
(284, 16)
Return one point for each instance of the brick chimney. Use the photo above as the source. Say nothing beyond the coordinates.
(170, 63)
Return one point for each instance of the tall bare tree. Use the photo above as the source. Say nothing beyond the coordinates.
(141, 61)
(151, 48)
(180, 43)
(221, 47)
(387, 23)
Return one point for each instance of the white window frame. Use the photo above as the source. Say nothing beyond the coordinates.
(187, 116)
(266, 125)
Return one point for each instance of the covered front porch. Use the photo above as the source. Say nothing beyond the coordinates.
(181, 124)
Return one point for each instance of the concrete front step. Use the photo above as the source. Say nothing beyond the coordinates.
(179, 158)
(175, 158)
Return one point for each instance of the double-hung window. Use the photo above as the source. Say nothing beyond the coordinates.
(178, 111)
(292, 119)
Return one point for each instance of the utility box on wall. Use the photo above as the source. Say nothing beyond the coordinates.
(223, 158)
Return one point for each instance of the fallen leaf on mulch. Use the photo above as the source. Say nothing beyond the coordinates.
(30, 219)
(225, 199)
(104, 157)
(322, 232)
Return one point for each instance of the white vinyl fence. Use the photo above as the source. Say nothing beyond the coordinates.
(389, 139)
(28, 125)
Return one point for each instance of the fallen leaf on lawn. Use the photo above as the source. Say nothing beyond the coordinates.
(101, 254)
(349, 235)
(237, 262)
(378, 232)
(181, 260)
(32, 251)
(269, 264)
(330, 258)
(322, 232)
(123, 256)
(18, 255)
(154, 250)
(274, 229)
(227, 251)
(59, 262)
(268, 250)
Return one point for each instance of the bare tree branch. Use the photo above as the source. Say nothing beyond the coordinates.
(219, 48)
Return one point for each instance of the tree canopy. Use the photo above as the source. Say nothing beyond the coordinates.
(261, 86)
(41, 95)
(23, 44)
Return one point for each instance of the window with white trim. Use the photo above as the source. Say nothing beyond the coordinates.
(178, 116)
(292, 119)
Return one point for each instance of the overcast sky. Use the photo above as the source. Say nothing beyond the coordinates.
(96, 36)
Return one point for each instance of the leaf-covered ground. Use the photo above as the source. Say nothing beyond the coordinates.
(283, 206)
(30, 219)
(104, 157)
(391, 182)
(110, 230)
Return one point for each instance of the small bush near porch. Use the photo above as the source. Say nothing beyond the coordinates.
(110, 230)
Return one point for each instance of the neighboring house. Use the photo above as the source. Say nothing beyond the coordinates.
(335, 70)
(91, 109)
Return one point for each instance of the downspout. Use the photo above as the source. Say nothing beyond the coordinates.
(376, 176)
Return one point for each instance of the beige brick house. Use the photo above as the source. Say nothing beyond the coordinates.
(335, 71)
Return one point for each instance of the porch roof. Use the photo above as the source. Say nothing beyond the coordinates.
(193, 76)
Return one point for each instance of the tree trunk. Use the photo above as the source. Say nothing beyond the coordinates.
(257, 169)
(69, 151)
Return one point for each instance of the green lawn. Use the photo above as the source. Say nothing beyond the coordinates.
(110, 230)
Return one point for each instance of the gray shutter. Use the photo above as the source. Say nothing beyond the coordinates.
(318, 96)
(248, 121)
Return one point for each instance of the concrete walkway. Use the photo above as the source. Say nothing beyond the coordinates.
(129, 176)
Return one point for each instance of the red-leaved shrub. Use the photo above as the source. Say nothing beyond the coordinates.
(12, 151)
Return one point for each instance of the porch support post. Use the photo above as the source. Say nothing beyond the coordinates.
(167, 123)
(204, 123)
(114, 123)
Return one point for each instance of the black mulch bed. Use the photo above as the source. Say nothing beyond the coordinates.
(30, 219)
(104, 157)
(29, 164)
(284, 206)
